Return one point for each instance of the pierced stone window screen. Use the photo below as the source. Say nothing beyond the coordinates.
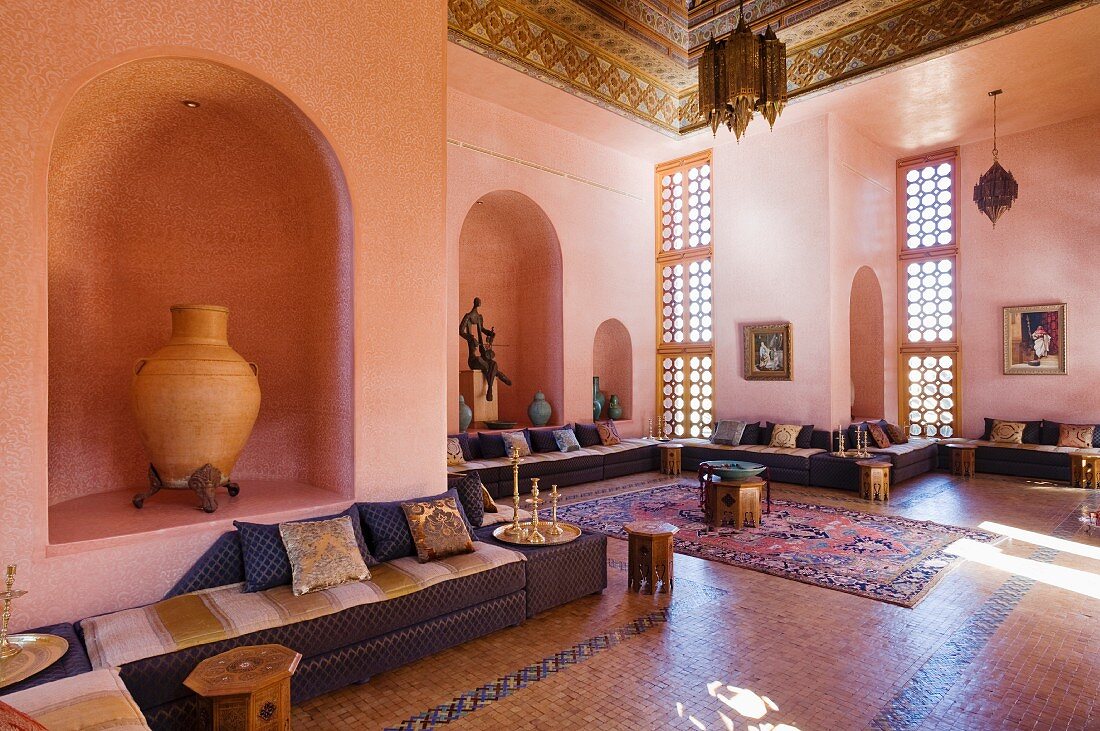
(685, 287)
(928, 263)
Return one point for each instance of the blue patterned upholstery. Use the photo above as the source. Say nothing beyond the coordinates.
(265, 561)
(387, 530)
(492, 445)
(468, 487)
(73, 662)
(587, 434)
(542, 440)
(751, 435)
(222, 564)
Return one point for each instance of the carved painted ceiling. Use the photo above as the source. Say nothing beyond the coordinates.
(638, 57)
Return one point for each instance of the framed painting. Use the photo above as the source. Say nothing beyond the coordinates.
(1035, 339)
(769, 352)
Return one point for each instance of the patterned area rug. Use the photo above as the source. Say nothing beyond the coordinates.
(891, 559)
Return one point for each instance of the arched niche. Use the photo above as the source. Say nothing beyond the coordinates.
(510, 257)
(233, 198)
(613, 362)
(866, 336)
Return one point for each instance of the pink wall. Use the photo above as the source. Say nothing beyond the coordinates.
(1042, 251)
(613, 362)
(599, 202)
(372, 82)
(509, 257)
(238, 202)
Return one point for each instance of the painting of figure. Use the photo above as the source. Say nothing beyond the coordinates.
(1035, 340)
(768, 352)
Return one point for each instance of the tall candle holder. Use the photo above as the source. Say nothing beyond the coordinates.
(533, 534)
(840, 441)
(649, 428)
(515, 529)
(555, 529)
(863, 444)
(7, 649)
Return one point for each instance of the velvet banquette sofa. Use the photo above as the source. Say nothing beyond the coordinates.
(1038, 455)
(406, 611)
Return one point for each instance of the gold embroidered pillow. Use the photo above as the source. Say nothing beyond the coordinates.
(516, 440)
(878, 435)
(454, 452)
(323, 554)
(897, 434)
(487, 501)
(1007, 432)
(437, 529)
(609, 433)
(785, 436)
(1075, 435)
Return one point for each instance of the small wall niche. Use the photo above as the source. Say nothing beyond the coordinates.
(866, 348)
(613, 362)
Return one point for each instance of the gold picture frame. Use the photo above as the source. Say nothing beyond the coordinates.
(769, 352)
(1035, 340)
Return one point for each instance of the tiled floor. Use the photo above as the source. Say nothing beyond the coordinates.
(991, 647)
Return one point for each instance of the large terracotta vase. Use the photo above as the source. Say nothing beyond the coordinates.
(195, 401)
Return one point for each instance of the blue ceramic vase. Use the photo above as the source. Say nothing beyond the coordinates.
(539, 410)
(597, 398)
(465, 415)
(614, 408)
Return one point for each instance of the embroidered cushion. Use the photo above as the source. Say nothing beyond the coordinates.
(437, 528)
(897, 434)
(469, 487)
(1033, 431)
(492, 445)
(487, 503)
(515, 440)
(878, 435)
(566, 440)
(266, 563)
(728, 432)
(542, 440)
(785, 436)
(454, 452)
(609, 433)
(323, 553)
(464, 442)
(387, 530)
(1075, 435)
(803, 441)
(1007, 432)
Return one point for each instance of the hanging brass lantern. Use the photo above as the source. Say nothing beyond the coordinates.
(740, 75)
(996, 189)
(743, 76)
(712, 84)
(773, 76)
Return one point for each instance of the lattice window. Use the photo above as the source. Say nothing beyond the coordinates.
(930, 205)
(685, 308)
(928, 277)
(930, 382)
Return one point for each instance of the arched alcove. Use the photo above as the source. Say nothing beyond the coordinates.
(613, 362)
(177, 180)
(866, 336)
(510, 257)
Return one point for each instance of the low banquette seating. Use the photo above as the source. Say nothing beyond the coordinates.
(1038, 455)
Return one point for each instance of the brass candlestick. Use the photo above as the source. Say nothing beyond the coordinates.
(649, 428)
(555, 529)
(863, 444)
(533, 534)
(7, 649)
(515, 529)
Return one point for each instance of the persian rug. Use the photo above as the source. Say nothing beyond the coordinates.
(883, 557)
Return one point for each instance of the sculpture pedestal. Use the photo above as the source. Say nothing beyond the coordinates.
(471, 384)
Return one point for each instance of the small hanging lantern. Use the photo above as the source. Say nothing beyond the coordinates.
(712, 84)
(996, 189)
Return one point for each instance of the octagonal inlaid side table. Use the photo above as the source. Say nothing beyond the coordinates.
(874, 479)
(649, 558)
(1084, 470)
(248, 687)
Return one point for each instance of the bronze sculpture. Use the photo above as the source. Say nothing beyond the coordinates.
(479, 343)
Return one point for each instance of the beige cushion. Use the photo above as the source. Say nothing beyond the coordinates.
(437, 528)
(1078, 436)
(785, 436)
(609, 433)
(94, 700)
(514, 440)
(1007, 432)
(487, 502)
(454, 452)
(323, 554)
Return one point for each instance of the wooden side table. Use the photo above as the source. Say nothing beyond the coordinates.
(874, 479)
(649, 561)
(249, 687)
(1084, 470)
(670, 458)
(733, 501)
(962, 459)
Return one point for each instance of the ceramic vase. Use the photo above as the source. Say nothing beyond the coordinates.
(597, 398)
(465, 414)
(195, 401)
(539, 410)
(614, 408)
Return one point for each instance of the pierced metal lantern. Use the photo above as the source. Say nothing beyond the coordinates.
(743, 77)
(996, 189)
(773, 76)
(712, 84)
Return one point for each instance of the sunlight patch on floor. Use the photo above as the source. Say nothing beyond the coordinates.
(1085, 583)
(744, 702)
(1040, 539)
